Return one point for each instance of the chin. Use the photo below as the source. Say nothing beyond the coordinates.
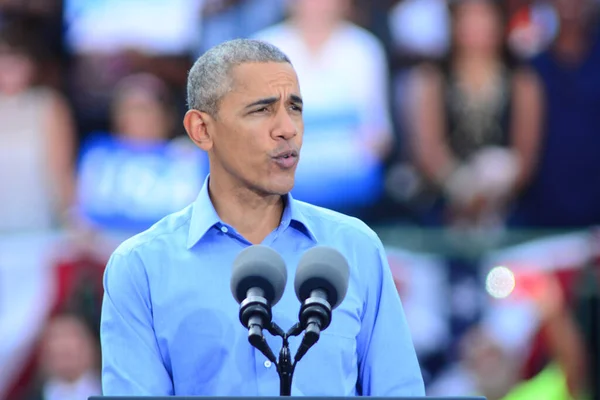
(280, 185)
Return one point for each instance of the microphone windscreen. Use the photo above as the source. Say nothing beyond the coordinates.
(259, 266)
(322, 267)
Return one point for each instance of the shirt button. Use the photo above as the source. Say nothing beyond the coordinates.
(267, 364)
(224, 229)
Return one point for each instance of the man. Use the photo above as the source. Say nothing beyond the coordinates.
(169, 322)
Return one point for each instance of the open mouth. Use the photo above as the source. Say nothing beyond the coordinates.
(287, 159)
(287, 154)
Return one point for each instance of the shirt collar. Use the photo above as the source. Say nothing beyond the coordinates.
(204, 216)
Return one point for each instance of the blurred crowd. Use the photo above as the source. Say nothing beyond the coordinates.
(476, 118)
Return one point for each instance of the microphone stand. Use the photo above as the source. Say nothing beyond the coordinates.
(285, 365)
(255, 314)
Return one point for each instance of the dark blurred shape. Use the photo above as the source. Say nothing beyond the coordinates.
(20, 53)
(587, 313)
(42, 8)
(565, 191)
(39, 25)
(17, 38)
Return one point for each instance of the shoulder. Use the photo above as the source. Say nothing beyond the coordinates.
(361, 38)
(331, 225)
(49, 101)
(359, 34)
(169, 232)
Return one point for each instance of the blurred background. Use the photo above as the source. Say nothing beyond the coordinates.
(466, 133)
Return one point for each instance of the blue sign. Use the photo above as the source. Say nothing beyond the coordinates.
(129, 185)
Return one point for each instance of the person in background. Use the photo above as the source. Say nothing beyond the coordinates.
(565, 192)
(492, 353)
(566, 375)
(140, 171)
(69, 360)
(36, 142)
(474, 121)
(142, 109)
(343, 70)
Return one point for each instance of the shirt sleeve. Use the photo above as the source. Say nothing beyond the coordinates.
(131, 360)
(388, 364)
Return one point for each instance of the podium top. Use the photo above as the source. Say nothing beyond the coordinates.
(274, 398)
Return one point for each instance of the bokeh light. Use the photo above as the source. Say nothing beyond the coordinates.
(500, 282)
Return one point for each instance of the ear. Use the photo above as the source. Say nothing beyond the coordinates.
(196, 125)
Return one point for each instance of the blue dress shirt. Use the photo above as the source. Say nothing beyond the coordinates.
(170, 325)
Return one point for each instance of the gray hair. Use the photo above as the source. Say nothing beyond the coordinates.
(209, 78)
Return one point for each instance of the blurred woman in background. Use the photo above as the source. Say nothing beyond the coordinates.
(348, 133)
(135, 174)
(474, 121)
(36, 143)
(142, 109)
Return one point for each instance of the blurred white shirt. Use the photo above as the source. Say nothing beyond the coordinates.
(345, 91)
(86, 386)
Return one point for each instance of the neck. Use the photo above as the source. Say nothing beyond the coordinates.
(476, 62)
(476, 70)
(315, 33)
(252, 215)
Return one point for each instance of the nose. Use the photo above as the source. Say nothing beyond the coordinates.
(285, 125)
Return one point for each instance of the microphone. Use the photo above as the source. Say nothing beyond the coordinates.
(321, 284)
(257, 283)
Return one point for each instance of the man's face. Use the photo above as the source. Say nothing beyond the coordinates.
(257, 134)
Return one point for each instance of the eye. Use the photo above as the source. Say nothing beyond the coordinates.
(260, 110)
(296, 107)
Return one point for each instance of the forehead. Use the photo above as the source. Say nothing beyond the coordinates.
(264, 79)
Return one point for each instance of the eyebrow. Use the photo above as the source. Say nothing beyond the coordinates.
(271, 100)
(296, 99)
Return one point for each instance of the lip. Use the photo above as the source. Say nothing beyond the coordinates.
(286, 159)
(286, 153)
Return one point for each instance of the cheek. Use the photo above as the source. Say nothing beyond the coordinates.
(241, 149)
